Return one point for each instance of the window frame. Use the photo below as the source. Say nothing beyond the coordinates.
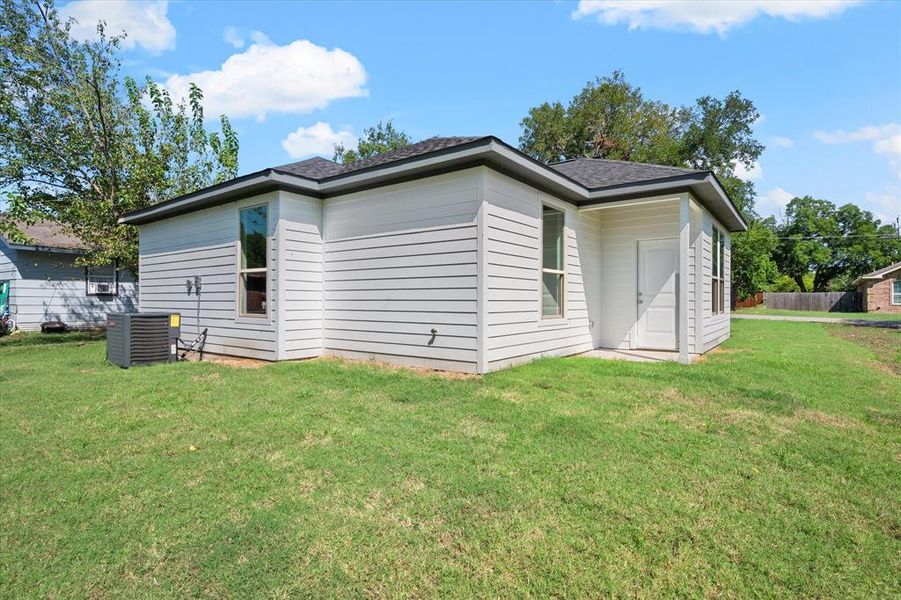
(241, 272)
(896, 282)
(115, 281)
(560, 273)
(718, 272)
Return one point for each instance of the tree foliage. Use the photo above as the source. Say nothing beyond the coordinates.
(610, 118)
(376, 140)
(835, 244)
(753, 267)
(82, 147)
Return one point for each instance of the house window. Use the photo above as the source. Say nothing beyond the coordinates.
(553, 281)
(896, 292)
(718, 275)
(253, 261)
(102, 281)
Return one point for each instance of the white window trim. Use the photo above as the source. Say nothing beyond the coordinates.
(561, 317)
(252, 317)
(892, 297)
(115, 282)
(717, 276)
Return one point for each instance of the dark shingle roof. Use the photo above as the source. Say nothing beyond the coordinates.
(320, 168)
(312, 168)
(599, 172)
(590, 172)
(879, 273)
(48, 234)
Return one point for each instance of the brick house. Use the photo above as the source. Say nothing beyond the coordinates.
(881, 289)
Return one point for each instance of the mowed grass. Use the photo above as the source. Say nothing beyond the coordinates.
(873, 316)
(772, 468)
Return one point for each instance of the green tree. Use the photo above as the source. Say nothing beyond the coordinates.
(835, 245)
(82, 147)
(610, 118)
(753, 267)
(783, 283)
(376, 140)
(718, 134)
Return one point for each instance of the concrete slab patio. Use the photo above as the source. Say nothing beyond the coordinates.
(636, 355)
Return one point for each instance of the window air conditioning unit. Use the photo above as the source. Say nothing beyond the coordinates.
(97, 287)
(141, 338)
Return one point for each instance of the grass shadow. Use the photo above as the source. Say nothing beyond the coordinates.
(19, 340)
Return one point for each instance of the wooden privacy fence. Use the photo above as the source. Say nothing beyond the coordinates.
(749, 302)
(821, 301)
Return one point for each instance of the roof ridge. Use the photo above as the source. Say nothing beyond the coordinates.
(881, 271)
(389, 156)
(633, 162)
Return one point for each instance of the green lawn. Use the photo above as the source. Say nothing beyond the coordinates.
(763, 310)
(772, 468)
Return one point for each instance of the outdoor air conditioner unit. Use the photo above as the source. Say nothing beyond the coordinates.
(141, 338)
(97, 287)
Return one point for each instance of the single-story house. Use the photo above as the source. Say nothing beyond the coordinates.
(881, 289)
(456, 253)
(46, 286)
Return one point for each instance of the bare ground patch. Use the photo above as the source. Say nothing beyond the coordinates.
(384, 366)
(885, 343)
(231, 361)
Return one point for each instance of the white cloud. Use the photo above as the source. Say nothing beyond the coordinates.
(773, 203)
(890, 145)
(868, 133)
(259, 37)
(297, 78)
(145, 23)
(317, 139)
(781, 141)
(754, 173)
(885, 205)
(232, 37)
(704, 16)
(885, 138)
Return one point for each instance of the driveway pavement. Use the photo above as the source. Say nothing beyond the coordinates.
(855, 322)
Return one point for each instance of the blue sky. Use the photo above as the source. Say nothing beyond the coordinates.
(826, 76)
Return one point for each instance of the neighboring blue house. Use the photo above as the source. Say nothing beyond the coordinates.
(47, 286)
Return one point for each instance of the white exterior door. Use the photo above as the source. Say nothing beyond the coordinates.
(658, 265)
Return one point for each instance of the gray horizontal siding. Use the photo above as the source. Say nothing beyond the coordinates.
(203, 244)
(514, 329)
(716, 327)
(51, 287)
(300, 269)
(8, 270)
(621, 230)
(399, 262)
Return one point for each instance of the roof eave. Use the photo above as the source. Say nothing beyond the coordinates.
(488, 150)
(40, 248)
(878, 274)
(703, 185)
(235, 189)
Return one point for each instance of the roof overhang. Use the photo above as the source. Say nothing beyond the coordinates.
(878, 275)
(235, 189)
(864, 278)
(487, 151)
(39, 248)
(702, 185)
